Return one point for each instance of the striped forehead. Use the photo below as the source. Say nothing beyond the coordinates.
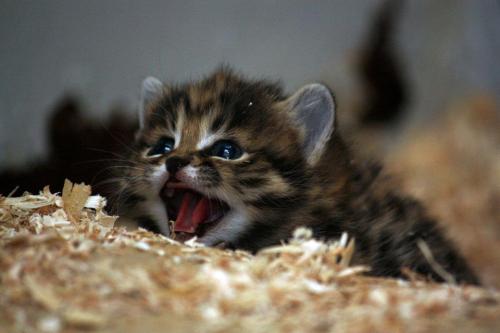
(195, 130)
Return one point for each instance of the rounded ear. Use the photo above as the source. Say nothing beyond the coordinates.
(312, 108)
(151, 91)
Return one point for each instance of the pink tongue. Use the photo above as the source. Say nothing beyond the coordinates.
(194, 209)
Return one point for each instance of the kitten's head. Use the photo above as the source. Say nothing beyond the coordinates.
(225, 153)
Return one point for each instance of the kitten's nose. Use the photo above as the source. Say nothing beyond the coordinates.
(175, 163)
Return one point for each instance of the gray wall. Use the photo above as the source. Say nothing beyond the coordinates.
(451, 49)
(103, 49)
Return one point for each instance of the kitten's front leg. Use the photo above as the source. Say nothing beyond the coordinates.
(141, 202)
(153, 207)
(154, 210)
(146, 212)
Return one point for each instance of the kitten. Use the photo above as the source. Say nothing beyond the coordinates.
(238, 164)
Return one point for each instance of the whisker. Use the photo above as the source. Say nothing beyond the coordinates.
(116, 167)
(116, 139)
(100, 150)
(100, 160)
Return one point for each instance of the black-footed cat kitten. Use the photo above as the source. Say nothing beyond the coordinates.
(239, 164)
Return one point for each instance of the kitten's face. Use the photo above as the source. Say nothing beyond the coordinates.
(219, 148)
(222, 154)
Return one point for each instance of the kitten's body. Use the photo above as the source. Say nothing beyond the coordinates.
(294, 170)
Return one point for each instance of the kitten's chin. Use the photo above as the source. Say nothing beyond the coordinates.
(191, 212)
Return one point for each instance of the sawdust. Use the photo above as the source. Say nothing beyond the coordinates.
(63, 270)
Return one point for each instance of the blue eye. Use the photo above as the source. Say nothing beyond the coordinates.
(163, 146)
(226, 149)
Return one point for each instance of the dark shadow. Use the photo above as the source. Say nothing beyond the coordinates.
(384, 83)
(80, 149)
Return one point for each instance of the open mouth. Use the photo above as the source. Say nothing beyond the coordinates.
(193, 213)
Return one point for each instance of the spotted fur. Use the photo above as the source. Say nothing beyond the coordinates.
(282, 181)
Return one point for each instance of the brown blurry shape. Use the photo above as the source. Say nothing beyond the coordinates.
(384, 83)
(80, 148)
(454, 167)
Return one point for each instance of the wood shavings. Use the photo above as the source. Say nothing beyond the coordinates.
(83, 319)
(75, 197)
(64, 274)
(42, 294)
(49, 324)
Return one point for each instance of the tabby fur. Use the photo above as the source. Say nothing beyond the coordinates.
(296, 171)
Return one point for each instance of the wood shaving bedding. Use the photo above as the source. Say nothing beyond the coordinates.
(64, 267)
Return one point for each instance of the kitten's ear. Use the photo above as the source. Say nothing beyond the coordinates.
(151, 90)
(313, 109)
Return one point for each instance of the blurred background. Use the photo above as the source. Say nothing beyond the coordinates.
(417, 84)
(100, 51)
